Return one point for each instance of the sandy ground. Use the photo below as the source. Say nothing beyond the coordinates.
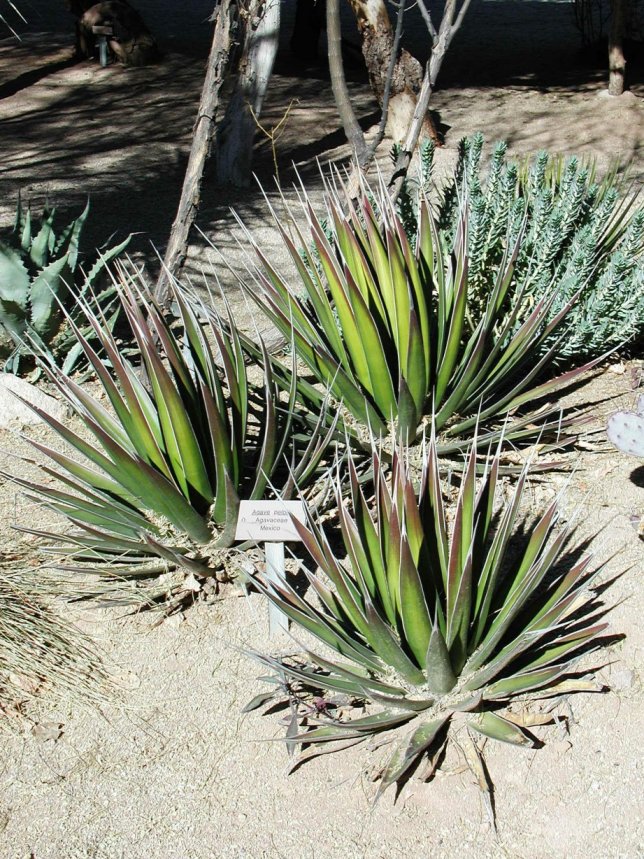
(174, 771)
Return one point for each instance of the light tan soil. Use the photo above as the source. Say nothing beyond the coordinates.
(174, 771)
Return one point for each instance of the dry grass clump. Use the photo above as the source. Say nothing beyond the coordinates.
(39, 650)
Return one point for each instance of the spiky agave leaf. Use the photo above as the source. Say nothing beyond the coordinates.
(387, 324)
(436, 610)
(163, 466)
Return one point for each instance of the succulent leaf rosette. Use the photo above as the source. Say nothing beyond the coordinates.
(438, 617)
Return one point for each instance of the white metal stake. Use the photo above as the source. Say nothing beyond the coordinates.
(275, 572)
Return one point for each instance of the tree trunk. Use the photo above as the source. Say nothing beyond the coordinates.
(237, 131)
(616, 59)
(177, 249)
(377, 36)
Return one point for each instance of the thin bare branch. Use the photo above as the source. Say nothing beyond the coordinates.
(352, 129)
(461, 15)
(427, 18)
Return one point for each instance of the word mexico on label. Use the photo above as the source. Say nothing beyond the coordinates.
(269, 520)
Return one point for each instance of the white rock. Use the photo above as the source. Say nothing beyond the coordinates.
(11, 409)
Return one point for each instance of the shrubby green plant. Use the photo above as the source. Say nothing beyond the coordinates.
(164, 465)
(441, 617)
(394, 328)
(40, 279)
(581, 234)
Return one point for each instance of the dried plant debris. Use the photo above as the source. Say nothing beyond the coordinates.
(40, 652)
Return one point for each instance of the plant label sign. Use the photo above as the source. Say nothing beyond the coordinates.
(268, 521)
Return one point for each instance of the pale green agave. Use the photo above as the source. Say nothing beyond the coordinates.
(40, 278)
(438, 619)
(161, 468)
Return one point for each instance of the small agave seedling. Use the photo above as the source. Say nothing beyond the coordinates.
(163, 467)
(439, 620)
(40, 278)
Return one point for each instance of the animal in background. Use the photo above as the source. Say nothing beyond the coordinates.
(131, 44)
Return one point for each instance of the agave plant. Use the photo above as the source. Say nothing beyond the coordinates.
(388, 327)
(40, 276)
(438, 619)
(163, 468)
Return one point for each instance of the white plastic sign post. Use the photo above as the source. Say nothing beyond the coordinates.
(270, 522)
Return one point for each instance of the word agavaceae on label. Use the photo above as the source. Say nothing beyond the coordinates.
(40, 278)
(166, 464)
(439, 617)
(387, 325)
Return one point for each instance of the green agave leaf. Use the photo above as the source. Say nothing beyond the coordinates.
(104, 259)
(534, 565)
(271, 449)
(493, 564)
(457, 308)
(378, 375)
(349, 595)
(414, 610)
(526, 682)
(91, 508)
(258, 701)
(363, 679)
(459, 581)
(492, 725)
(318, 297)
(89, 477)
(139, 428)
(136, 476)
(438, 665)
(402, 301)
(389, 648)
(74, 237)
(371, 544)
(367, 726)
(360, 563)
(14, 290)
(315, 679)
(409, 751)
(39, 247)
(319, 625)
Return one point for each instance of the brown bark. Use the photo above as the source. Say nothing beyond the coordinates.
(177, 249)
(378, 42)
(616, 59)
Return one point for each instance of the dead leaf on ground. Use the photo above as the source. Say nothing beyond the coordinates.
(44, 731)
